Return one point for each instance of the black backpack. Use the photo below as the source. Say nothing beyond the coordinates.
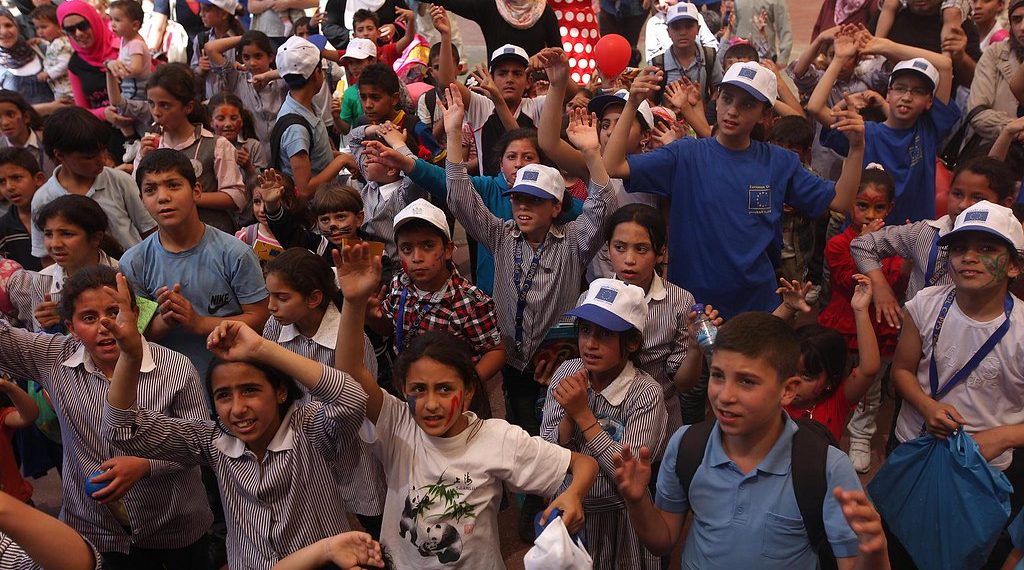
(810, 482)
(280, 125)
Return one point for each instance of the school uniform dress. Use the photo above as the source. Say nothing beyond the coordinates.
(362, 480)
(27, 289)
(166, 510)
(630, 411)
(918, 242)
(274, 506)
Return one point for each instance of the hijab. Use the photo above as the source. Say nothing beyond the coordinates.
(521, 14)
(18, 55)
(105, 44)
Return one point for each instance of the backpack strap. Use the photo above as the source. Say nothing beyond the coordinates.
(810, 480)
(659, 62)
(710, 56)
(280, 126)
(431, 103)
(691, 452)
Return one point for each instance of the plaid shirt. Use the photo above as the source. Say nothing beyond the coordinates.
(459, 308)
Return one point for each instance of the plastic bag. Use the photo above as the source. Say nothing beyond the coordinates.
(942, 501)
(554, 549)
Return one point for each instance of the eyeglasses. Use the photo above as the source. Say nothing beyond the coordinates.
(83, 26)
(904, 89)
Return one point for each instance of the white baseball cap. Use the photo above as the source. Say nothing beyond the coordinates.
(989, 218)
(682, 11)
(919, 65)
(755, 79)
(598, 105)
(509, 51)
(614, 305)
(538, 180)
(229, 6)
(423, 210)
(298, 56)
(360, 48)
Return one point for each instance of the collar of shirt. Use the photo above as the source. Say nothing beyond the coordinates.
(99, 184)
(290, 105)
(779, 458)
(658, 291)
(671, 64)
(57, 272)
(284, 439)
(555, 230)
(189, 141)
(436, 296)
(943, 224)
(387, 190)
(326, 336)
(615, 392)
(82, 358)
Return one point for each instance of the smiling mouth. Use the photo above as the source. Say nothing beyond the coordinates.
(244, 426)
(107, 342)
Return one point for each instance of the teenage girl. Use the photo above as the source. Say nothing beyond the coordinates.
(445, 472)
(181, 121)
(274, 458)
(304, 307)
(600, 402)
(256, 54)
(219, 23)
(160, 506)
(21, 126)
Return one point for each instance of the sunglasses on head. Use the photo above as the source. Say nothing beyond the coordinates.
(83, 26)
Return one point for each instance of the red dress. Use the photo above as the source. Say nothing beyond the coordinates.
(838, 314)
(578, 27)
(833, 412)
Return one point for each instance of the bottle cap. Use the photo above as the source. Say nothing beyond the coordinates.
(698, 308)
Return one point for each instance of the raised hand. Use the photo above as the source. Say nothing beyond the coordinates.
(794, 294)
(863, 519)
(124, 327)
(234, 341)
(647, 82)
(439, 17)
(582, 130)
(663, 134)
(454, 111)
(955, 42)
(485, 83)
(271, 186)
(633, 473)
(393, 135)
(845, 44)
(555, 63)
(378, 152)
(861, 299)
(358, 273)
(849, 122)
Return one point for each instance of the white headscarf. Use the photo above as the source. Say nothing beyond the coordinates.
(521, 14)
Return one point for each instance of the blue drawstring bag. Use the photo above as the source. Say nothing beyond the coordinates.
(942, 501)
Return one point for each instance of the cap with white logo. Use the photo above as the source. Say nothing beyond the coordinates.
(229, 6)
(509, 51)
(598, 105)
(989, 218)
(423, 210)
(614, 305)
(539, 181)
(360, 48)
(682, 11)
(755, 79)
(298, 56)
(918, 65)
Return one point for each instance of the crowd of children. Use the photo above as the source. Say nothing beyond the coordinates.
(232, 316)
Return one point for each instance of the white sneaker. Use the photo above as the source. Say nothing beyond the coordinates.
(861, 458)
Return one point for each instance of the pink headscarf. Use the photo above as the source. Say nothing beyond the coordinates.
(521, 14)
(105, 44)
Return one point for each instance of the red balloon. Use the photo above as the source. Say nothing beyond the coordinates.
(612, 54)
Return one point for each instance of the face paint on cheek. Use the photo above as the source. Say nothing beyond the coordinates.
(456, 406)
(995, 265)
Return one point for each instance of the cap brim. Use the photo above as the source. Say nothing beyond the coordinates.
(959, 232)
(532, 191)
(405, 221)
(680, 18)
(507, 56)
(910, 70)
(747, 87)
(361, 56)
(601, 317)
(598, 104)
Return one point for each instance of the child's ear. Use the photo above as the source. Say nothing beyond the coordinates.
(558, 209)
(197, 191)
(314, 299)
(360, 217)
(40, 178)
(462, 67)
(789, 386)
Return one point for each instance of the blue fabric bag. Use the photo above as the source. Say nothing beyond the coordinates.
(942, 501)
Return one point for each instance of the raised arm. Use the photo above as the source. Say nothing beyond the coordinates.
(658, 530)
(48, 542)
(646, 83)
(215, 48)
(899, 52)
(867, 343)
(25, 408)
(849, 122)
(549, 130)
(410, 28)
(818, 103)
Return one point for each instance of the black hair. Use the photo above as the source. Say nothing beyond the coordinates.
(83, 212)
(228, 98)
(297, 81)
(257, 39)
(793, 132)
(306, 272)
(362, 15)
(419, 224)
(274, 377)
(306, 21)
(823, 350)
(20, 157)
(381, 76)
(873, 114)
(641, 214)
(47, 12)
(166, 160)
(878, 178)
(73, 129)
(435, 52)
(178, 80)
(87, 279)
(509, 137)
(761, 335)
(131, 8)
(1001, 178)
(449, 350)
(741, 50)
(35, 121)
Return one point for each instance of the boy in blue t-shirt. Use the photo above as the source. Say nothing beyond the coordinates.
(198, 274)
(726, 223)
(920, 117)
(745, 511)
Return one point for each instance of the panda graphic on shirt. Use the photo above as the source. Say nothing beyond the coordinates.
(435, 513)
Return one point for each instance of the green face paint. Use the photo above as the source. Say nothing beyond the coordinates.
(996, 265)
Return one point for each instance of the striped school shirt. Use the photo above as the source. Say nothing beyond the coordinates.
(274, 506)
(630, 411)
(27, 289)
(166, 510)
(362, 480)
(910, 241)
(568, 250)
(13, 557)
(381, 203)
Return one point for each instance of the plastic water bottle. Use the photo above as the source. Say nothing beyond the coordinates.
(706, 330)
(117, 508)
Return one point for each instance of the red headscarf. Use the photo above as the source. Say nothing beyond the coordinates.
(105, 44)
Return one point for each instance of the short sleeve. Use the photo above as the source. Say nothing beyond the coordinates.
(394, 423)
(533, 107)
(670, 496)
(654, 171)
(422, 112)
(134, 47)
(834, 140)
(538, 467)
(840, 474)
(247, 280)
(162, 7)
(295, 139)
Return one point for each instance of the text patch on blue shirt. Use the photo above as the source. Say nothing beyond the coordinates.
(759, 200)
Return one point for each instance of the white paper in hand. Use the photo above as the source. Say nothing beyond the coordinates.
(554, 549)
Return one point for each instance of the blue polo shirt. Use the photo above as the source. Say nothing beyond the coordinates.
(295, 138)
(752, 520)
(726, 213)
(908, 155)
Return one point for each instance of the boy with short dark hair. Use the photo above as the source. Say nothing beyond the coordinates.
(744, 484)
(20, 177)
(221, 274)
(77, 140)
(366, 24)
(686, 57)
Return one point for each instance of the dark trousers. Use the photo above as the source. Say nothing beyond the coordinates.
(628, 27)
(522, 394)
(195, 556)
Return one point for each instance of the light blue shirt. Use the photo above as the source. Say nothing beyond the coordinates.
(295, 138)
(753, 521)
(218, 276)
